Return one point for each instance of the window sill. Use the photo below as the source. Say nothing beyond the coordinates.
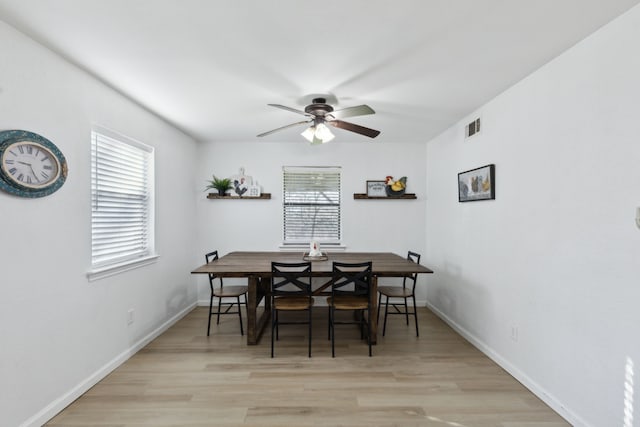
(111, 270)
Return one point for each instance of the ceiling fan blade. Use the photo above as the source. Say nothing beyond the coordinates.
(358, 110)
(371, 133)
(285, 127)
(293, 110)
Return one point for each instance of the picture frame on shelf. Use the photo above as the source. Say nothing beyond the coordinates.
(376, 188)
(477, 184)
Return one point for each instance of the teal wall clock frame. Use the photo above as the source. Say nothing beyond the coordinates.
(9, 137)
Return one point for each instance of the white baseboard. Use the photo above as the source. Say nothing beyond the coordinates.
(65, 400)
(529, 383)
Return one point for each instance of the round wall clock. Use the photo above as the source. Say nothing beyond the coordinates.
(30, 165)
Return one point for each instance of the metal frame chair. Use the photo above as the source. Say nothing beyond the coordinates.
(396, 292)
(224, 293)
(290, 291)
(351, 290)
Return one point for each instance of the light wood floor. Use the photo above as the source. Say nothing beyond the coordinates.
(184, 378)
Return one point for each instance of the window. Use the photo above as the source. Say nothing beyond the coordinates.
(121, 200)
(311, 204)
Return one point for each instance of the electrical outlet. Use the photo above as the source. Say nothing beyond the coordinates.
(514, 333)
(130, 316)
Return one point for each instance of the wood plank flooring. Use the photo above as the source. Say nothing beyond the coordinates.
(184, 378)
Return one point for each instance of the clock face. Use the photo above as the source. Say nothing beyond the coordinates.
(30, 164)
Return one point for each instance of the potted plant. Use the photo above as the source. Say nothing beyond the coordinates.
(220, 184)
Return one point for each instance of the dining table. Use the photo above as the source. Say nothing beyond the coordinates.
(255, 266)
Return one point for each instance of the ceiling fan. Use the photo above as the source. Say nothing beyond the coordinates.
(320, 114)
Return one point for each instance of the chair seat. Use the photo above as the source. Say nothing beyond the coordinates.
(231, 291)
(292, 303)
(395, 291)
(349, 302)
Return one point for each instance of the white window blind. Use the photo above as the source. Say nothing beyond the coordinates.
(122, 199)
(311, 204)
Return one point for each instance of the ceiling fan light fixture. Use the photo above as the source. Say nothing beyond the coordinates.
(309, 133)
(323, 133)
(318, 134)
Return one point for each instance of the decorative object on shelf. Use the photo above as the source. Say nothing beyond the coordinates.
(477, 184)
(376, 189)
(254, 190)
(395, 188)
(30, 165)
(219, 184)
(240, 184)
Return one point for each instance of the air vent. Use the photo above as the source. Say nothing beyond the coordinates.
(472, 128)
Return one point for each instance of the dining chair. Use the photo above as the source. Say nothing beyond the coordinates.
(228, 296)
(397, 293)
(290, 292)
(350, 290)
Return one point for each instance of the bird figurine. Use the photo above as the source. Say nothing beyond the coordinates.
(396, 187)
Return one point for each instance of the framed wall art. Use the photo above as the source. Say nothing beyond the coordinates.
(376, 189)
(477, 184)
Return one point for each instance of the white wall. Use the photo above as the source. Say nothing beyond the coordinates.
(375, 225)
(557, 254)
(58, 332)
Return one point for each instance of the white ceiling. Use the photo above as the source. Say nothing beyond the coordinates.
(210, 67)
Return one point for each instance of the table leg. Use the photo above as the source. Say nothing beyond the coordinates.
(374, 309)
(252, 307)
(255, 324)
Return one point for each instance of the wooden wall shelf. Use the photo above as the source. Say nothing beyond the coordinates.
(406, 196)
(263, 196)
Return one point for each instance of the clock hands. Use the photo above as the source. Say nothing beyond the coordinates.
(30, 167)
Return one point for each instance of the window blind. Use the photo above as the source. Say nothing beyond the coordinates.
(121, 196)
(311, 204)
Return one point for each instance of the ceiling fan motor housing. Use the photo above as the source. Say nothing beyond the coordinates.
(319, 107)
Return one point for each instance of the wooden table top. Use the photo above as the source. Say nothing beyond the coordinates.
(243, 264)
